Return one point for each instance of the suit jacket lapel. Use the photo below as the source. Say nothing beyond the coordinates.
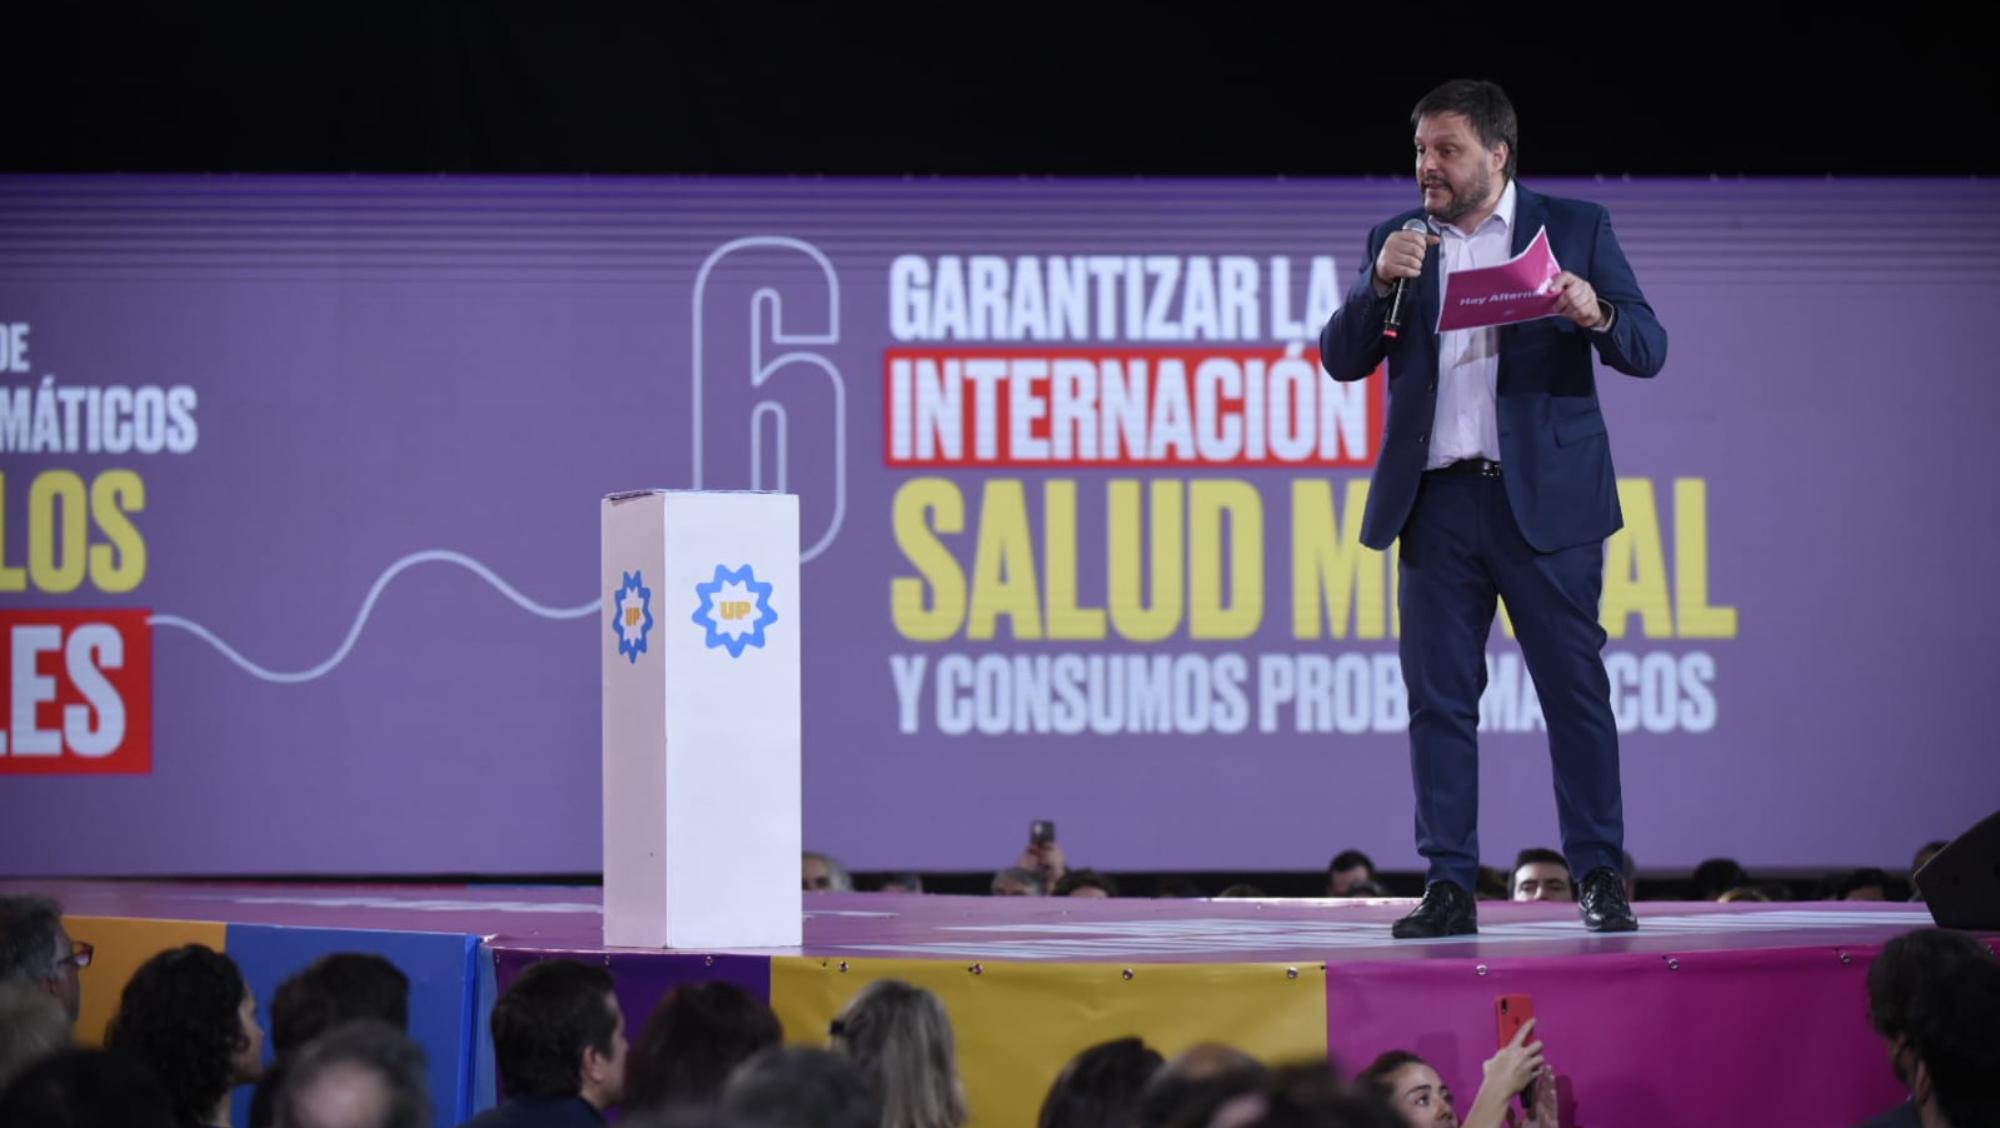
(1431, 294)
(1530, 214)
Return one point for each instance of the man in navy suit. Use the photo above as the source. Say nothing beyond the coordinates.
(1496, 475)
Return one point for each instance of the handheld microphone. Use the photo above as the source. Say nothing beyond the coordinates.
(1392, 325)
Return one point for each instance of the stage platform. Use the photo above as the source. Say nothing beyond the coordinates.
(1710, 1014)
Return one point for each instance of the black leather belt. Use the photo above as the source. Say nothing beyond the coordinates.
(1484, 468)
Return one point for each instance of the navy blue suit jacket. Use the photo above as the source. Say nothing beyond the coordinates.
(1553, 446)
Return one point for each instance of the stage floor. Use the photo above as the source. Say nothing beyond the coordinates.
(1763, 1003)
(1011, 928)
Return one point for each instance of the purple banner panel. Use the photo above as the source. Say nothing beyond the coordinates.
(1777, 1036)
(299, 483)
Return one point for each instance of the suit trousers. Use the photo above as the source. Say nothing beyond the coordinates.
(1460, 551)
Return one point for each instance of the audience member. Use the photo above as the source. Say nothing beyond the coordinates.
(822, 873)
(1176, 887)
(1242, 890)
(794, 1087)
(1714, 877)
(1934, 997)
(365, 1073)
(335, 989)
(695, 1037)
(1492, 885)
(1086, 883)
(32, 1026)
(901, 1038)
(1045, 859)
(1018, 882)
(1864, 885)
(1925, 853)
(559, 1043)
(86, 1089)
(902, 883)
(1100, 1087)
(1923, 858)
(694, 1118)
(1417, 1094)
(1305, 1096)
(1744, 893)
(36, 950)
(1188, 1089)
(1540, 875)
(188, 1016)
(1348, 869)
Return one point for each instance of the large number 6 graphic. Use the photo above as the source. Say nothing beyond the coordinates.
(772, 269)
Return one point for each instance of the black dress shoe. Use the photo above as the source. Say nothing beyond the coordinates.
(1446, 910)
(1603, 902)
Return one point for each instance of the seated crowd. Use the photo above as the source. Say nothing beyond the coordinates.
(186, 1037)
(1538, 874)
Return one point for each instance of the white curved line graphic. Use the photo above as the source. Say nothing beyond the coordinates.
(429, 556)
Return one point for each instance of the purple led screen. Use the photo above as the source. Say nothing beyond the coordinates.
(1078, 510)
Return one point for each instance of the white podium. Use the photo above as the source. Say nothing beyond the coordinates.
(701, 719)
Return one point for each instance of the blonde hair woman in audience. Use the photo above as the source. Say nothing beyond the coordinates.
(901, 1037)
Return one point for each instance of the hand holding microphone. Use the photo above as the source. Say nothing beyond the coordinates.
(1401, 259)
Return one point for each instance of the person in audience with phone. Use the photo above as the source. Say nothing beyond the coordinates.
(1417, 1094)
(1043, 857)
(1017, 882)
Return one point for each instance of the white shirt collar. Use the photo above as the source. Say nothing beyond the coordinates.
(1504, 212)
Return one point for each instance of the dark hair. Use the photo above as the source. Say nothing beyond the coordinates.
(803, 1088)
(1716, 876)
(1086, 879)
(1187, 1090)
(1938, 993)
(178, 1017)
(1349, 859)
(1932, 848)
(28, 929)
(375, 1047)
(1240, 889)
(1862, 879)
(1308, 1095)
(543, 1023)
(337, 989)
(1485, 106)
(1375, 1078)
(87, 1089)
(1491, 883)
(687, 1118)
(1100, 1087)
(1535, 855)
(694, 1038)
